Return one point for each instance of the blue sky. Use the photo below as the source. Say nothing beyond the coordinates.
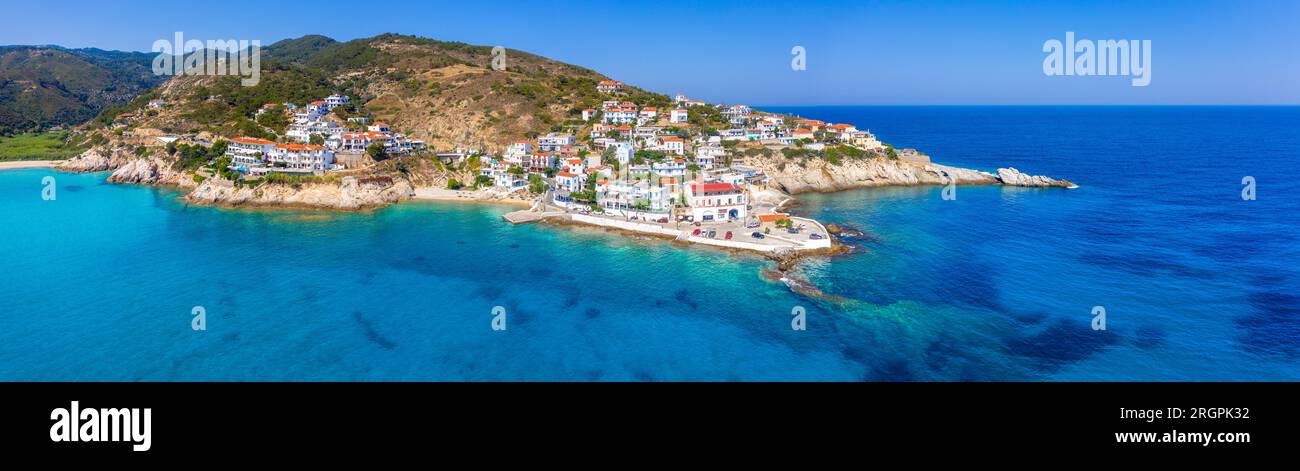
(858, 52)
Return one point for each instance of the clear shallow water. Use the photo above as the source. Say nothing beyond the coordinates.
(998, 285)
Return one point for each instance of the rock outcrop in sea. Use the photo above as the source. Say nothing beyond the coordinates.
(823, 177)
(1013, 177)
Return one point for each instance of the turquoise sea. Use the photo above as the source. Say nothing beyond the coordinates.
(1000, 284)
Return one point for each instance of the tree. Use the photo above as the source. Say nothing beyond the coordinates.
(274, 118)
(218, 148)
(452, 184)
(515, 170)
(535, 184)
(376, 151)
(316, 140)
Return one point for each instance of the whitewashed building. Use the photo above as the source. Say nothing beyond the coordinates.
(553, 142)
(716, 202)
(678, 116)
(248, 152)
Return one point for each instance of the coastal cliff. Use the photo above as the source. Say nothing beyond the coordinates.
(820, 176)
(352, 193)
(127, 167)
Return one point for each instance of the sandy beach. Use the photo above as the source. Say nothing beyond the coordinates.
(437, 194)
(13, 165)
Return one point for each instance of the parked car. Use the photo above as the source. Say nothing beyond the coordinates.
(757, 235)
(728, 236)
(753, 225)
(662, 220)
(792, 230)
(815, 236)
(712, 233)
(695, 232)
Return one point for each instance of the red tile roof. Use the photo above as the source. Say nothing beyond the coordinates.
(253, 141)
(714, 188)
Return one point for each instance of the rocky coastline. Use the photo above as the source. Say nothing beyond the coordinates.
(819, 176)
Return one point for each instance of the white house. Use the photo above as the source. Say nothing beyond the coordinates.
(678, 115)
(649, 114)
(716, 202)
(553, 142)
(623, 152)
(670, 168)
(568, 181)
(517, 151)
(574, 165)
(737, 111)
(303, 131)
(336, 100)
(319, 107)
(798, 134)
(588, 114)
(708, 156)
(620, 115)
(610, 86)
(539, 162)
(674, 145)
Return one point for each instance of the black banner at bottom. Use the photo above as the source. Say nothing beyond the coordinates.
(232, 420)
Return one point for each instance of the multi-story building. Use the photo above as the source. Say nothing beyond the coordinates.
(334, 101)
(300, 157)
(610, 86)
(248, 152)
(678, 116)
(716, 202)
(538, 162)
(620, 115)
(553, 142)
(303, 131)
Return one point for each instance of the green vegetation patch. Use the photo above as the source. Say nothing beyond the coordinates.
(53, 145)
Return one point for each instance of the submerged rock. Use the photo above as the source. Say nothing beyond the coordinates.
(844, 232)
